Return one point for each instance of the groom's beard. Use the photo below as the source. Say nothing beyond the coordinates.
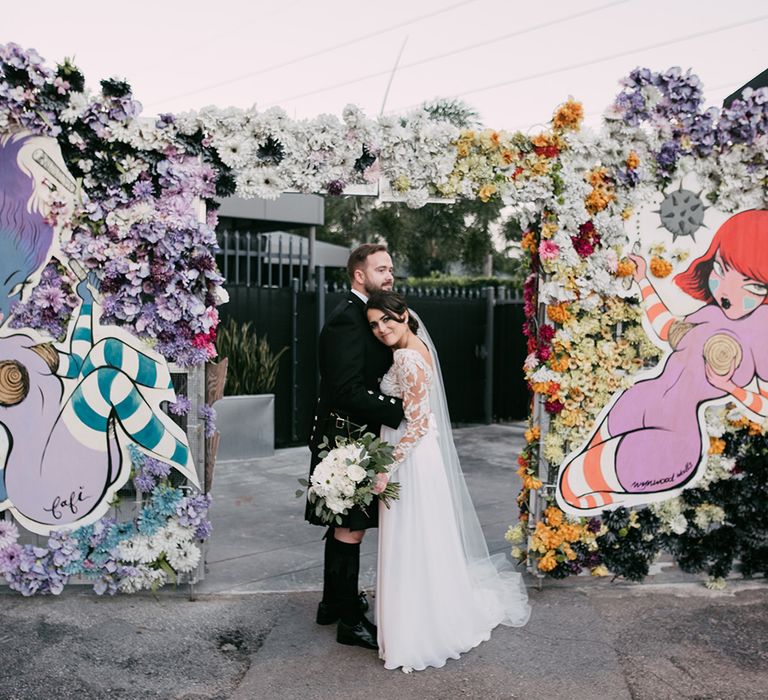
(371, 288)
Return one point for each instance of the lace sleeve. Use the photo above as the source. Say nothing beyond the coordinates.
(413, 378)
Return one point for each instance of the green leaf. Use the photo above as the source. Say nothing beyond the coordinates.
(303, 482)
(299, 493)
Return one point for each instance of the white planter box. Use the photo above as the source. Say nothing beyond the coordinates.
(247, 427)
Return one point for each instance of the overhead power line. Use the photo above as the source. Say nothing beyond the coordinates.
(463, 49)
(314, 54)
(610, 57)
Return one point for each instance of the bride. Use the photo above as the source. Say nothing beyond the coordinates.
(438, 592)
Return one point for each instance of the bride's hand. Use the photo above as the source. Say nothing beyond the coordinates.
(380, 482)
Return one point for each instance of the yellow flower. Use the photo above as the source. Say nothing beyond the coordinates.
(716, 446)
(486, 192)
(402, 183)
(517, 553)
(601, 570)
(568, 116)
(626, 213)
(660, 267)
(463, 149)
(548, 230)
(548, 562)
(515, 534)
(633, 160)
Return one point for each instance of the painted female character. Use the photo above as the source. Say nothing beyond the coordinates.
(62, 455)
(29, 177)
(651, 439)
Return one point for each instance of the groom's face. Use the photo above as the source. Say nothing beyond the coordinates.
(377, 273)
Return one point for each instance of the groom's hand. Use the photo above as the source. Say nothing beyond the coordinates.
(380, 482)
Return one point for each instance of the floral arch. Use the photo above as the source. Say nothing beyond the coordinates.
(142, 224)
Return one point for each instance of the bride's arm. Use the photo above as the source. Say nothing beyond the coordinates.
(413, 378)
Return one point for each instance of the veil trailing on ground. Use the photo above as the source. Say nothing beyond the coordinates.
(494, 576)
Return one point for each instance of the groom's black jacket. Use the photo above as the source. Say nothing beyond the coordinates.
(352, 363)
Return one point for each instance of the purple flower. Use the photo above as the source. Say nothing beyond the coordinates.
(181, 407)
(208, 414)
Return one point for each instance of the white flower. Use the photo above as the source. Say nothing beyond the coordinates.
(184, 557)
(356, 473)
(679, 524)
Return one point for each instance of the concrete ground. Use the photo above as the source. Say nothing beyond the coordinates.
(248, 631)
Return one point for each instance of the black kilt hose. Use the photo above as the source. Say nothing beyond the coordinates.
(352, 363)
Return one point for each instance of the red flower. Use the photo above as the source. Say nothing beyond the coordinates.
(554, 406)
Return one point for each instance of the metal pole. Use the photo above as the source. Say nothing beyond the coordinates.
(311, 261)
(295, 359)
(488, 393)
(320, 296)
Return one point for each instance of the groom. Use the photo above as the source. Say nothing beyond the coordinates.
(352, 363)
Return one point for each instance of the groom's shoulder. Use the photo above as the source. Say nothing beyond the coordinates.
(346, 311)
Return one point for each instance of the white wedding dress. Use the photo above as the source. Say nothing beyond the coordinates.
(438, 592)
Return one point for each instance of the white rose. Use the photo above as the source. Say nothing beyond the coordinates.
(356, 473)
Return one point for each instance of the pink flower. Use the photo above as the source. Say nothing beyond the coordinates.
(548, 250)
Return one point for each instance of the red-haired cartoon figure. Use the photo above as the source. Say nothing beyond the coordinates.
(652, 440)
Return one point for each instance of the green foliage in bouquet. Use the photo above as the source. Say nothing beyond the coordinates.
(346, 474)
(252, 364)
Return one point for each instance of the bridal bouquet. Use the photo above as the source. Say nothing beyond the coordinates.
(346, 476)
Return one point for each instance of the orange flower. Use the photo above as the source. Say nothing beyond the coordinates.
(533, 434)
(554, 516)
(571, 532)
(508, 157)
(716, 446)
(531, 482)
(568, 116)
(625, 268)
(486, 192)
(463, 149)
(755, 428)
(495, 138)
(633, 160)
(569, 553)
(742, 422)
(598, 199)
(660, 267)
(597, 176)
(548, 562)
(558, 313)
(559, 363)
(546, 536)
(529, 242)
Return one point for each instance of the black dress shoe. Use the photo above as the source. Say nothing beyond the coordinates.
(370, 627)
(355, 635)
(328, 613)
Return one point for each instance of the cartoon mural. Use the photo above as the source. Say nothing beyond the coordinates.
(650, 441)
(68, 412)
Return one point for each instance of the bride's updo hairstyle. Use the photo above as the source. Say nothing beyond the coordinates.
(392, 304)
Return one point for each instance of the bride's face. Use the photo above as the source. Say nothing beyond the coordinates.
(391, 331)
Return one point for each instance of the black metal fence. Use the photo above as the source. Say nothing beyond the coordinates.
(477, 332)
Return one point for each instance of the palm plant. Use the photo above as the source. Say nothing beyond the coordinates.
(252, 364)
